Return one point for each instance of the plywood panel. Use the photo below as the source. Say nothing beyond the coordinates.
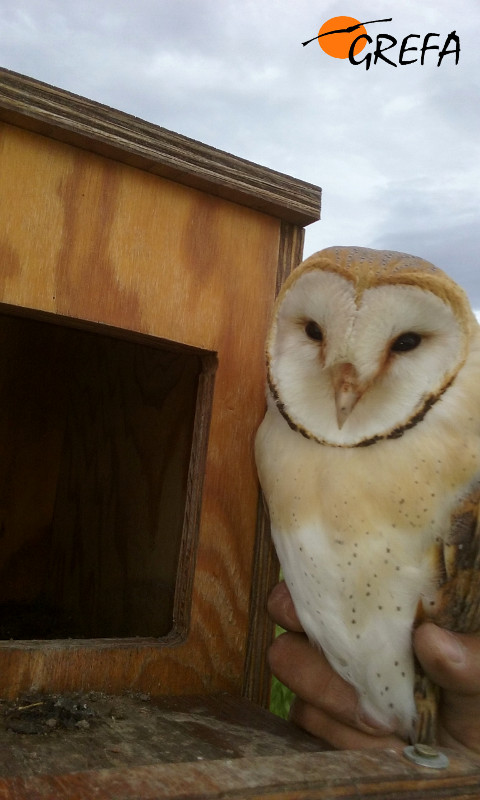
(92, 239)
(198, 748)
(32, 423)
(68, 118)
(121, 493)
(257, 677)
(95, 445)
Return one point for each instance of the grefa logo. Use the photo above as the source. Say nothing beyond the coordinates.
(346, 37)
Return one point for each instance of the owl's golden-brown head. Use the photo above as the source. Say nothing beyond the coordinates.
(363, 343)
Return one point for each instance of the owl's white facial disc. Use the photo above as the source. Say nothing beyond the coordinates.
(399, 345)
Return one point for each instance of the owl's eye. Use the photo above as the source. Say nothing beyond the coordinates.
(406, 341)
(313, 331)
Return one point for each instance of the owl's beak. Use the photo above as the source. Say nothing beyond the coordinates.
(347, 391)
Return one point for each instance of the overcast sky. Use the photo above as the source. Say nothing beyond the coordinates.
(395, 149)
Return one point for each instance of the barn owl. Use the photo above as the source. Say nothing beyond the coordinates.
(369, 462)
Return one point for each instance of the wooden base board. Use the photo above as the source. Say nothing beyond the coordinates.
(125, 747)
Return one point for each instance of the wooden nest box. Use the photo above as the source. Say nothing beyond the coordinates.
(138, 269)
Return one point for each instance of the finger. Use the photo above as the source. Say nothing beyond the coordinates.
(451, 660)
(335, 733)
(281, 609)
(306, 671)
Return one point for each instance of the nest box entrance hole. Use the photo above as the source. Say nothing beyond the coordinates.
(99, 496)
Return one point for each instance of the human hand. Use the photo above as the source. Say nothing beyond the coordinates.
(329, 708)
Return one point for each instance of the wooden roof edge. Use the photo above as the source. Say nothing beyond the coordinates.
(50, 111)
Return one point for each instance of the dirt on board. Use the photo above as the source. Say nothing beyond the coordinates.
(55, 734)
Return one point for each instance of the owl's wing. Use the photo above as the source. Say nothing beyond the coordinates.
(458, 600)
(457, 604)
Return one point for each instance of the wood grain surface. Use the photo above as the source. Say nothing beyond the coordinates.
(200, 748)
(95, 242)
(257, 680)
(76, 120)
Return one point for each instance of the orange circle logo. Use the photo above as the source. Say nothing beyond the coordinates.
(341, 33)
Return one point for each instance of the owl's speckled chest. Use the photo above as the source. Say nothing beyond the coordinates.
(356, 531)
(359, 491)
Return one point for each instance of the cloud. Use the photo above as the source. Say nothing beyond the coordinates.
(395, 149)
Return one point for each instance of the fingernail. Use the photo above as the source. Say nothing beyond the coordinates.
(451, 647)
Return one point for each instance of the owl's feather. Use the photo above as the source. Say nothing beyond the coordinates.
(456, 605)
(370, 527)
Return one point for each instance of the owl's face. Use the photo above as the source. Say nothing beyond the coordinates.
(364, 343)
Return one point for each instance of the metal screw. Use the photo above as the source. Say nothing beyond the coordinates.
(426, 756)
(425, 750)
